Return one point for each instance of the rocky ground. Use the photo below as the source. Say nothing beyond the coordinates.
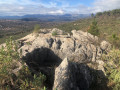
(71, 62)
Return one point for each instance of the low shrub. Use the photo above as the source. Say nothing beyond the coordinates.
(112, 68)
(54, 33)
(25, 79)
(28, 81)
(115, 40)
(93, 29)
(36, 28)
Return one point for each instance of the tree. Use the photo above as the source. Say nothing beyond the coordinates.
(99, 14)
(92, 15)
(94, 28)
(36, 28)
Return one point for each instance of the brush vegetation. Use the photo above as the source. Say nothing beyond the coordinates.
(112, 68)
(25, 79)
(93, 29)
(54, 33)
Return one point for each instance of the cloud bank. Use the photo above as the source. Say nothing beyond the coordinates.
(22, 7)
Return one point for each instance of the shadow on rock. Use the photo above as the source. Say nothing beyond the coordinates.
(74, 76)
(43, 60)
(99, 80)
(68, 75)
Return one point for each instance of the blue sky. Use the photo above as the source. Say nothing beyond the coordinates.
(22, 7)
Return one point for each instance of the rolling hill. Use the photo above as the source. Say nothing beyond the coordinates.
(108, 24)
(47, 18)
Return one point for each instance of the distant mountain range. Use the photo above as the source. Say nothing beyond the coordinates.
(47, 18)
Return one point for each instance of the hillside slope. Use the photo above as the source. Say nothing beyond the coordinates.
(108, 23)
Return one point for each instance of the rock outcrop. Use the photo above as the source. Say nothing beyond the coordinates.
(73, 76)
(70, 76)
(105, 46)
(46, 52)
(84, 36)
(80, 47)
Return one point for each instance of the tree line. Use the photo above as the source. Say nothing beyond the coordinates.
(114, 12)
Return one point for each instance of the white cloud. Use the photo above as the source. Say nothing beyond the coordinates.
(99, 6)
(22, 7)
(57, 12)
(102, 5)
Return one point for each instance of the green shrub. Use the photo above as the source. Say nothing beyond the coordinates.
(29, 81)
(115, 40)
(28, 43)
(94, 28)
(36, 28)
(25, 79)
(8, 53)
(54, 33)
(112, 68)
